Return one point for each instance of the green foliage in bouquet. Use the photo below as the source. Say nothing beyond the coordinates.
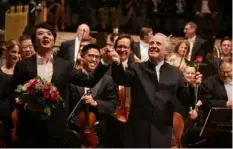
(39, 93)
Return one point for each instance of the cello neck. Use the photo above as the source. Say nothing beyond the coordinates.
(87, 111)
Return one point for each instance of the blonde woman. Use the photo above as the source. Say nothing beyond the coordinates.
(12, 56)
(179, 57)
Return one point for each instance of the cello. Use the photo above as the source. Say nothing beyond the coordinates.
(86, 121)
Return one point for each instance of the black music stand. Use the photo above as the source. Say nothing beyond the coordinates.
(218, 120)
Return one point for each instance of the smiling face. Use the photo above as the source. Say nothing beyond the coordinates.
(27, 48)
(123, 48)
(189, 74)
(44, 39)
(183, 49)
(91, 59)
(226, 47)
(13, 55)
(157, 48)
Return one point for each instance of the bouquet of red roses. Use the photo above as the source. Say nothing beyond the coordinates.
(40, 94)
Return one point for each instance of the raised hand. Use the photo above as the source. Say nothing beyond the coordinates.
(198, 79)
(110, 56)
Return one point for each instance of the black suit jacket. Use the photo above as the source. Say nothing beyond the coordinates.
(213, 66)
(213, 92)
(198, 48)
(105, 93)
(67, 50)
(28, 126)
(150, 121)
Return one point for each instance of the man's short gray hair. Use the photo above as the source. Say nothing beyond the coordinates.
(167, 41)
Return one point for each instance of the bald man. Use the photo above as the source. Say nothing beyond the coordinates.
(69, 49)
(155, 87)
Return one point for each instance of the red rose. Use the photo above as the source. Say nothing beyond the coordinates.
(199, 59)
(47, 87)
(46, 95)
(30, 90)
(34, 82)
(54, 96)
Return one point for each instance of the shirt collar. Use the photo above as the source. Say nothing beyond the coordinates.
(41, 61)
(144, 44)
(84, 71)
(192, 39)
(158, 63)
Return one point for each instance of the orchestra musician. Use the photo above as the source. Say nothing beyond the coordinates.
(123, 46)
(154, 87)
(103, 99)
(216, 91)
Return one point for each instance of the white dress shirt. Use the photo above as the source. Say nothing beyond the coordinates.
(157, 68)
(143, 50)
(44, 69)
(205, 7)
(125, 64)
(191, 42)
(76, 48)
(228, 87)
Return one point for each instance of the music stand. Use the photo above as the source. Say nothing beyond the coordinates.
(218, 119)
(71, 139)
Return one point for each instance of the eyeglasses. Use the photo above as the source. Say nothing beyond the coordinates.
(93, 56)
(27, 46)
(122, 47)
(225, 72)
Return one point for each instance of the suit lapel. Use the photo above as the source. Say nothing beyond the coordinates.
(56, 69)
(149, 83)
(195, 47)
(32, 67)
(98, 87)
(222, 88)
(80, 90)
(137, 50)
(72, 51)
(163, 75)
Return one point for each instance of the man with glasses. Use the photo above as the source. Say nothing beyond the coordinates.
(217, 90)
(103, 99)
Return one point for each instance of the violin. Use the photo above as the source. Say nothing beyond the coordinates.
(122, 112)
(86, 121)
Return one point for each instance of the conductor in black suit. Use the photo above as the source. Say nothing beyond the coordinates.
(155, 87)
(31, 130)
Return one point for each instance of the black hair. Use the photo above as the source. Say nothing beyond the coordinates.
(45, 26)
(88, 47)
(24, 37)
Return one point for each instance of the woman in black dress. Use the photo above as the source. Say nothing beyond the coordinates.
(12, 56)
